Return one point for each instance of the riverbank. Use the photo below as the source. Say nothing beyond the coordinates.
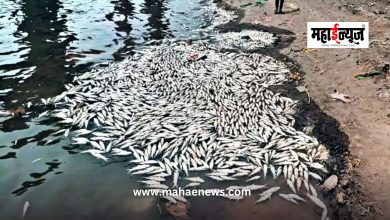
(366, 119)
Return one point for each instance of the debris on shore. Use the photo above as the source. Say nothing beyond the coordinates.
(340, 96)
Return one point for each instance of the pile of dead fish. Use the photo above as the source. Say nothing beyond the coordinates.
(245, 39)
(220, 16)
(172, 117)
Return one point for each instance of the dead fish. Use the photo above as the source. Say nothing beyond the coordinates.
(175, 178)
(36, 160)
(234, 188)
(193, 184)
(320, 204)
(288, 198)
(179, 198)
(210, 116)
(253, 178)
(264, 197)
(195, 179)
(25, 207)
(170, 199)
(291, 185)
(233, 197)
(270, 190)
(254, 187)
(43, 114)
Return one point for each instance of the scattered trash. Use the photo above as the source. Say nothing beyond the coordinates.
(196, 56)
(301, 88)
(262, 19)
(308, 50)
(342, 97)
(330, 183)
(295, 76)
(260, 2)
(384, 93)
(293, 7)
(369, 74)
(245, 5)
(353, 162)
(25, 207)
(374, 72)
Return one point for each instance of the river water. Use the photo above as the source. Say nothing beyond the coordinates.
(43, 45)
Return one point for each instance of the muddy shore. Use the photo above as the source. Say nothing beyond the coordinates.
(357, 133)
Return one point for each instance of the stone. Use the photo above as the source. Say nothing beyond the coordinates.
(330, 183)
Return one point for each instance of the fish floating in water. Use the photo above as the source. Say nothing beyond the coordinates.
(25, 208)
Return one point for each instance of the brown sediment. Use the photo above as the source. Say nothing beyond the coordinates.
(179, 210)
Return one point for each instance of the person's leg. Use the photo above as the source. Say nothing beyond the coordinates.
(277, 6)
(281, 6)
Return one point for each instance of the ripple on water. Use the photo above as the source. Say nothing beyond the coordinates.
(43, 44)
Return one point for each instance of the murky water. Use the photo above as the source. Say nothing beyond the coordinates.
(43, 45)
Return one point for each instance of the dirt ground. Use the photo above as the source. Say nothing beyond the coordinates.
(366, 120)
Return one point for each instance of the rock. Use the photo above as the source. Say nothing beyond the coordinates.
(343, 182)
(179, 210)
(344, 211)
(330, 183)
(301, 88)
(340, 197)
(189, 41)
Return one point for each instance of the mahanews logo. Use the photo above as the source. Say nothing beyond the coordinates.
(337, 34)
